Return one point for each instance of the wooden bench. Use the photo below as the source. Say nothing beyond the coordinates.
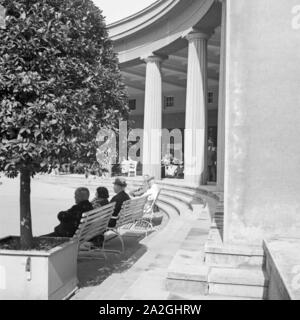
(131, 213)
(93, 223)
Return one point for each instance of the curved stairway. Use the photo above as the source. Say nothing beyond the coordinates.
(180, 260)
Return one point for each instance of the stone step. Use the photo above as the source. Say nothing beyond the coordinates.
(165, 203)
(184, 296)
(206, 191)
(183, 259)
(151, 262)
(216, 253)
(183, 238)
(168, 210)
(183, 209)
(188, 200)
(150, 285)
(146, 279)
(217, 223)
(187, 271)
(177, 286)
(252, 277)
(253, 292)
(214, 238)
(238, 282)
(191, 194)
(218, 215)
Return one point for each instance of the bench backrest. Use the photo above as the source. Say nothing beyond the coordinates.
(125, 166)
(150, 203)
(94, 223)
(131, 211)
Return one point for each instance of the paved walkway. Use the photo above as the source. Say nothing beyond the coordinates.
(46, 201)
(140, 273)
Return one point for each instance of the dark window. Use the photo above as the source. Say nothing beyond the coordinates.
(132, 104)
(169, 102)
(210, 97)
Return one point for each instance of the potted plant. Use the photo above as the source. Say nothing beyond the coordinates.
(171, 165)
(179, 167)
(165, 162)
(59, 78)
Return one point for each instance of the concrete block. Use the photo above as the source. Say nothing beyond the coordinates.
(189, 273)
(233, 260)
(237, 290)
(255, 277)
(183, 296)
(186, 257)
(282, 267)
(187, 286)
(231, 255)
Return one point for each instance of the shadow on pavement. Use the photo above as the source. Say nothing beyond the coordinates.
(93, 272)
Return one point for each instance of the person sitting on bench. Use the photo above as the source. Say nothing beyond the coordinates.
(121, 196)
(142, 189)
(101, 198)
(70, 219)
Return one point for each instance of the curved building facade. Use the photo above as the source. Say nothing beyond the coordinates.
(228, 70)
(169, 55)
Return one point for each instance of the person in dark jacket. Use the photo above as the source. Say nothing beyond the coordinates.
(101, 198)
(121, 196)
(211, 160)
(70, 219)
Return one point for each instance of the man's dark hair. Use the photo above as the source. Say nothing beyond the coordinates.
(84, 192)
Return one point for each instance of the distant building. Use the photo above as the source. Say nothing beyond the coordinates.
(230, 68)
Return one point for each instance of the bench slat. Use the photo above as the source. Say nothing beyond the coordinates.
(131, 211)
(90, 220)
(94, 222)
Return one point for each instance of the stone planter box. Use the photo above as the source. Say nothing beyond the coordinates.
(39, 275)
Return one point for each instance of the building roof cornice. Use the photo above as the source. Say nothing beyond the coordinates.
(140, 20)
(162, 27)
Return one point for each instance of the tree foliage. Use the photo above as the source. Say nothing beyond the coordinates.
(59, 84)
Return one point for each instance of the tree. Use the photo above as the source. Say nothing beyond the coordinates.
(59, 84)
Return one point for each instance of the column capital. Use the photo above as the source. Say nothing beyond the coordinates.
(154, 58)
(197, 35)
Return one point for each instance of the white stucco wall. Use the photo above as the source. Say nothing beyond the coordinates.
(262, 166)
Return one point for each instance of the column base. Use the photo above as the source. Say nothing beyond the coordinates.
(195, 180)
(152, 171)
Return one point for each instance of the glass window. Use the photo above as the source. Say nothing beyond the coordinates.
(169, 102)
(132, 104)
(210, 97)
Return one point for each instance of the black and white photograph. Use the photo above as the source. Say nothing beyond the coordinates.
(150, 151)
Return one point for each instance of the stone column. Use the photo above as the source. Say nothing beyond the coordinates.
(221, 107)
(195, 149)
(152, 118)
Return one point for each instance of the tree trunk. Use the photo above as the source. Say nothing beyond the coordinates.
(25, 211)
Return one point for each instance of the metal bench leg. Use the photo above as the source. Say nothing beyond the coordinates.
(122, 243)
(89, 255)
(149, 224)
